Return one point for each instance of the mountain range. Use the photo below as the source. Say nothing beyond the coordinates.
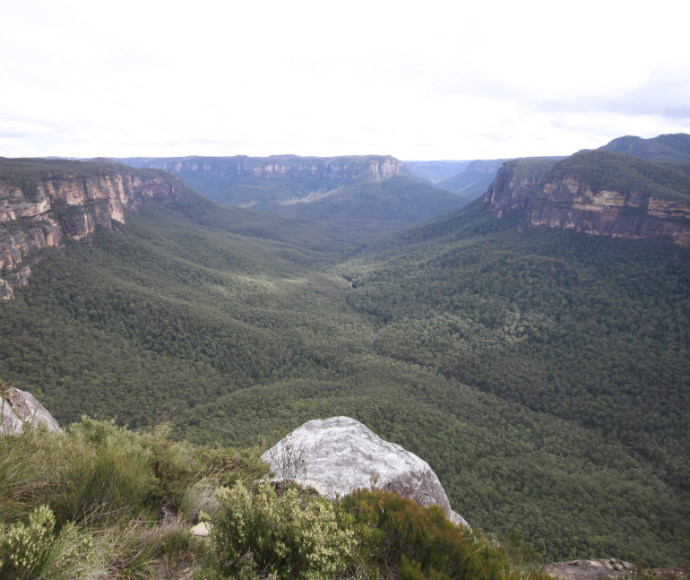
(369, 193)
(539, 365)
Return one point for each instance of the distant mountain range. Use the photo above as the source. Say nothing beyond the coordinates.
(371, 193)
(436, 171)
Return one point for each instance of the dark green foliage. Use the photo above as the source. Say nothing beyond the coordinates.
(590, 330)
(674, 147)
(606, 170)
(543, 374)
(407, 541)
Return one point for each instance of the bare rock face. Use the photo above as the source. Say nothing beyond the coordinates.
(612, 569)
(20, 410)
(340, 455)
(544, 192)
(43, 202)
(602, 569)
(278, 166)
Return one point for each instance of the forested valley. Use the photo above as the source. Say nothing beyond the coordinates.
(542, 373)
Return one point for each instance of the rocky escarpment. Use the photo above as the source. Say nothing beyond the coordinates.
(369, 193)
(350, 168)
(599, 193)
(339, 455)
(44, 202)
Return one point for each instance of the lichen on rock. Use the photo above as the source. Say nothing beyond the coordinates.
(339, 455)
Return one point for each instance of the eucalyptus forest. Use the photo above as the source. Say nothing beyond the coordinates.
(542, 373)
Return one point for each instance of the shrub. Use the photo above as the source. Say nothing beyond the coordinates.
(103, 474)
(32, 551)
(416, 543)
(291, 535)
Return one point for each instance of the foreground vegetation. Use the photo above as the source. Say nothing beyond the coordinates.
(542, 374)
(100, 501)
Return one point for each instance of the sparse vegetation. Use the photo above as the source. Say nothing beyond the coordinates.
(129, 517)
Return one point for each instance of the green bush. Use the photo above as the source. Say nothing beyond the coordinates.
(32, 551)
(288, 534)
(414, 543)
(103, 473)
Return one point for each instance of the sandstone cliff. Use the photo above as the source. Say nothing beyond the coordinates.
(44, 202)
(599, 193)
(350, 168)
(370, 193)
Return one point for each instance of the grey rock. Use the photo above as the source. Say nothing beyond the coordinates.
(339, 455)
(600, 569)
(201, 530)
(20, 410)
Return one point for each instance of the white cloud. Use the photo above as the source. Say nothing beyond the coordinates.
(441, 79)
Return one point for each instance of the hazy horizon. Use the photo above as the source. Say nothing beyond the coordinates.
(439, 81)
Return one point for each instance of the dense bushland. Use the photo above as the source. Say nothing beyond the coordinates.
(542, 374)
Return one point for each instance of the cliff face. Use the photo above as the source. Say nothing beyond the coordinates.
(370, 192)
(334, 168)
(565, 197)
(516, 183)
(42, 203)
(571, 204)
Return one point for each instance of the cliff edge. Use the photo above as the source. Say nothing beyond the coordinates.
(43, 202)
(597, 192)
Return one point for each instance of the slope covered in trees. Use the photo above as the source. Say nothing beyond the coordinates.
(672, 147)
(542, 374)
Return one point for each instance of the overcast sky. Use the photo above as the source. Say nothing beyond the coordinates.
(430, 79)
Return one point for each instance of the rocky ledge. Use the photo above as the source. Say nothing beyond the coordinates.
(43, 202)
(612, 569)
(598, 193)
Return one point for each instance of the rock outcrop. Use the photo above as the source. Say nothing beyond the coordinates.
(598, 193)
(20, 410)
(43, 202)
(601, 569)
(336, 456)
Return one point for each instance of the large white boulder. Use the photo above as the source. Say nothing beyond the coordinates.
(19, 410)
(336, 456)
